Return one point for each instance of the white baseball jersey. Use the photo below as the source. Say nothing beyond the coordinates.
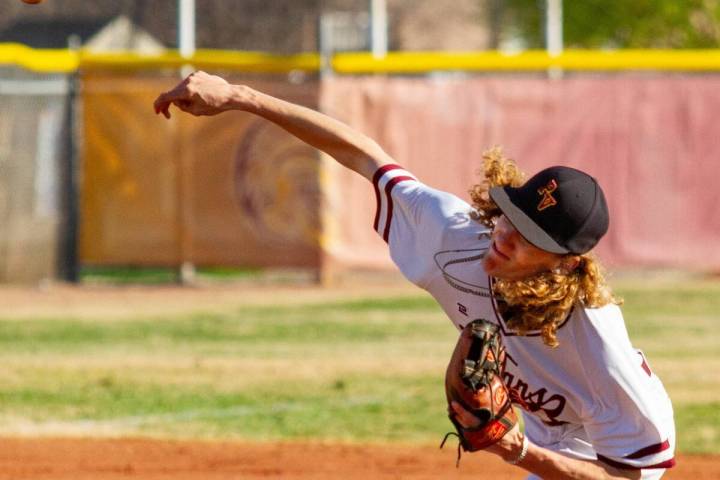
(592, 397)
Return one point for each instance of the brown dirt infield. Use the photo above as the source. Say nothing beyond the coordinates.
(101, 459)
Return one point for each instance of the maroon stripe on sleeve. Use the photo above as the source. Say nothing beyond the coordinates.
(377, 206)
(652, 449)
(375, 180)
(624, 466)
(388, 216)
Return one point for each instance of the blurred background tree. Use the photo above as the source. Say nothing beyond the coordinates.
(617, 23)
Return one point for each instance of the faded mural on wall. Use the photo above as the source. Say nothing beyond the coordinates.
(276, 185)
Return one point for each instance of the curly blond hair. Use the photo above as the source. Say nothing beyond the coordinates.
(544, 301)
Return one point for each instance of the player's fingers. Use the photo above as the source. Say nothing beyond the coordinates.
(163, 101)
(184, 105)
(161, 105)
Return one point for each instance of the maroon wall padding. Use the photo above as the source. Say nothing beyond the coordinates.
(653, 142)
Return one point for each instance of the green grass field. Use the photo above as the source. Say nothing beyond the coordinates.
(361, 370)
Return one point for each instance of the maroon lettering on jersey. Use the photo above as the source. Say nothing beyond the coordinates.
(547, 407)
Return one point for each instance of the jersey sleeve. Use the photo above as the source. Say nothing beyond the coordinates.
(414, 219)
(630, 421)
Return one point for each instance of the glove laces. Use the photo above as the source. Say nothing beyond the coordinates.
(459, 447)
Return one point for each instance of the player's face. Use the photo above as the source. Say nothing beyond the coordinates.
(511, 257)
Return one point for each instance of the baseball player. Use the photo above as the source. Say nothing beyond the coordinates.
(519, 257)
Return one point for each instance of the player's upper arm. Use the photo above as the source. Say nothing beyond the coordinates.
(414, 219)
(368, 160)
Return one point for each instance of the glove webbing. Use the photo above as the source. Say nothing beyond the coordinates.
(478, 370)
(477, 367)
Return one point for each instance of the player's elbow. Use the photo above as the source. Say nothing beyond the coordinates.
(365, 158)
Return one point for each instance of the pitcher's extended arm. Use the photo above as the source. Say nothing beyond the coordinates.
(204, 94)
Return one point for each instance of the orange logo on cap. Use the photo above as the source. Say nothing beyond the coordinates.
(547, 199)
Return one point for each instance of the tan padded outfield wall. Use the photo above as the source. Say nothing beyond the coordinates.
(228, 190)
(254, 196)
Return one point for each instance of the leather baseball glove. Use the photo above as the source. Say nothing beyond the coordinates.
(474, 380)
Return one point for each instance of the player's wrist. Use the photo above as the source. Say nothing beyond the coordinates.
(243, 98)
(518, 455)
(510, 446)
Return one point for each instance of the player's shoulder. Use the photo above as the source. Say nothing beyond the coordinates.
(599, 330)
(398, 190)
(610, 312)
(438, 199)
(604, 315)
(396, 178)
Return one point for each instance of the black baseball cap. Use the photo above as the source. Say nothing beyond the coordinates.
(559, 210)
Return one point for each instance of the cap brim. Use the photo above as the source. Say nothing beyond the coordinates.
(524, 225)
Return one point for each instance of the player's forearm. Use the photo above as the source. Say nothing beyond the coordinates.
(349, 147)
(551, 465)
